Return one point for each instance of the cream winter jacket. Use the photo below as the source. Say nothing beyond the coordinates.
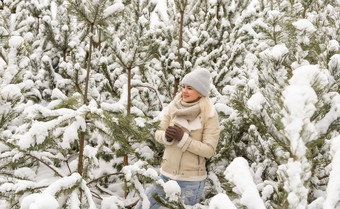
(185, 160)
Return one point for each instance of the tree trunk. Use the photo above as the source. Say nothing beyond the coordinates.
(82, 134)
(129, 92)
(180, 45)
(176, 84)
(81, 153)
(126, 159)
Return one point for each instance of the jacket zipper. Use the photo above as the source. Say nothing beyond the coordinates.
(198, 166)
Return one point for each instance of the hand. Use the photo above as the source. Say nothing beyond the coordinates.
(174, 132)
(167, 135)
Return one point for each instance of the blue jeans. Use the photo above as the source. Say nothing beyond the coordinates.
(191, 192)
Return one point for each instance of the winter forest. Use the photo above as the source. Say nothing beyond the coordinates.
(84, 83)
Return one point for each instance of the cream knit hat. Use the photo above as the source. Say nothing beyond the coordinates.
(199, 80)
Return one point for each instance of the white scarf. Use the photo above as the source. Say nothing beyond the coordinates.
(186, 115)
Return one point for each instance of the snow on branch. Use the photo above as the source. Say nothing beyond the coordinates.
(239, 174)
(299, 99)
(113, 9)
(47, 198)
(331, 116)
(221, 201)
(305, 29)
(277, 53)
(333, 187)
(132, 172)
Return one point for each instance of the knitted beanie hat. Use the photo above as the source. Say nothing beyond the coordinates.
(199, 80)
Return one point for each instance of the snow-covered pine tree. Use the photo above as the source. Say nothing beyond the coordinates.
(19, 90)
(188, 33)
(235, 67)
(128, 67)
(46, 136)
(287, 151)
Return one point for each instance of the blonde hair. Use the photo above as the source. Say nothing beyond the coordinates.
(204, 104)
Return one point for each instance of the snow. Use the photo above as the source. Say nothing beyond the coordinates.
(39, 131)
(161, 10)
(16, 41)
(25, 173)
(65, 28)
(256, 102)
(91, 152)
(39, 201)
(305, 29)
(333, 46)
(54, 10)
(10, 92)
(276, 53)
(294, 184)
(239, 174)
(221, 201)
(131, 170)
(112, 202)
(2, 64)
(334, 113)
(63, 183)
(274, 15)
(334, 65)
(57, 94)
(172, 190)
(28, 36)
(267, 191)
(146, 152)
(333, 188)
(299, 99)
(115, 8)
(279, 51)
(71, 132)
(304, 25)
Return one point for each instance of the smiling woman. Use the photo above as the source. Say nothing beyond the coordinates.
(189, 94)
(190, 132)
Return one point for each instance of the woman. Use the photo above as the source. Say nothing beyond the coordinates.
(190, 132)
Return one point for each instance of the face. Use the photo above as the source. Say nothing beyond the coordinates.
(189, 94)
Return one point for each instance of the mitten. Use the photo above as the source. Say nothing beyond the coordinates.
(168, 135)
(174, 132)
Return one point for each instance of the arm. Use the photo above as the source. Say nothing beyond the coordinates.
(206, 147)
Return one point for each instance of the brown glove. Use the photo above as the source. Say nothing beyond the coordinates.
(174, 132)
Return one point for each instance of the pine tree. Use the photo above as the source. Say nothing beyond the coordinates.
(263, 111)
(67, 117)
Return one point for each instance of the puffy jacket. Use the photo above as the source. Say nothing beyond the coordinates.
(185, 160)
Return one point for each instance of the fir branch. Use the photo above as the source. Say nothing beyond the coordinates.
(68, 165)
(118, 55)
(96, 195)
(80, 11)
(132, 204)
(50, 167)
(152, 88)
(110, 81)
(103, 190)
(278, 141)
(168, 204)
(108, 175)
